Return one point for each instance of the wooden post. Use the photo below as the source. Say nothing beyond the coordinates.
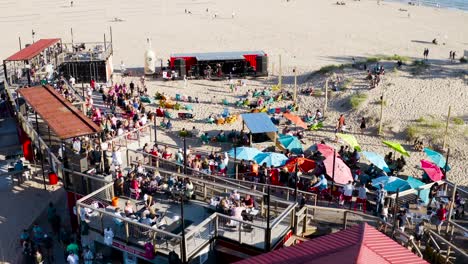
(280, 78)
(381, 112)
(71, 32)
(326, 98)
(295, 87)
(452, 202)
(19, 40)
(272, 68)
(446, 127)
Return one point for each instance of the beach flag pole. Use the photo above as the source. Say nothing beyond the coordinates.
(295, 86)
(381, 112)
(280, 78)
(446, 127)
(326, 97)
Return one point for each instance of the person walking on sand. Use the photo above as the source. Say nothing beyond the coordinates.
(363, 125)
(71, 3)
(453, 55)
(450, 56)
(341, 123)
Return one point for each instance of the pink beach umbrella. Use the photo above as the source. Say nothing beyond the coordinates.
(342, 172)
(432, 170)
(326, 150)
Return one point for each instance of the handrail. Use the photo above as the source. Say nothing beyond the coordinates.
(110, 185)
(458, 189)
(283, 215)
(459, 250)
(458, 226)
(86, 175)
(124, 135)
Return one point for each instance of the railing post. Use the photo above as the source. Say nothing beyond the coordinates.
(128, 162)
(127, 235)
(216, 226)
(204, 191)
(345, 219)
(138, 137)
(102, 222)
(304, 222)
(240, 232)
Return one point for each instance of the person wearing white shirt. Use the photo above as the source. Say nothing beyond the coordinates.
(362, 197)
(73, 258)
(108, 236)
(348, 193)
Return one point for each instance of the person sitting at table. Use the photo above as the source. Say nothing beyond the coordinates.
(235, 196)
(322, 184)
(249, 201)
(236, 212)
(145, 220)
(129, 209)
(188, 188)
(118, 222)
(224, 206)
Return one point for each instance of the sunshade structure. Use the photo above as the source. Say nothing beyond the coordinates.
(397, 147)
(291, 143)
(33, 50)
(59, 114)
(271, 158)
(358, 244)
(304, 165)
(377, 160)
(432, 170)
(392, 183)
(342, 172)
(243, 153)
(437, 158)
(259, 123)
(295, 119)
(326, 150)
(351, 140)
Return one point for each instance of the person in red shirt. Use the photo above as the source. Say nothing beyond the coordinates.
(274, 176)
(441, 217)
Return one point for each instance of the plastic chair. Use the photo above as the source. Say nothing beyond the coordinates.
(225, 113)
(189, 107)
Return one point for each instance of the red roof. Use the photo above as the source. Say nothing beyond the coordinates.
(358, 244)
(32, 50)
(59, 114)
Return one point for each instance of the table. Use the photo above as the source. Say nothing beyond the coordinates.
(176, 227)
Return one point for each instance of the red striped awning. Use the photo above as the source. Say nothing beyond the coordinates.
(358, 244)
(32, 50)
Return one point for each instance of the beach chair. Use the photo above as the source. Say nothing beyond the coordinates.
(278, 110)
(231, 119)
(271, 111)
(257, 94)
(279, 97)
(316, 126)
(178, 97)
(275, 88)
(270, 101)
(205, 139)
(189, 107)
(145, 99)
(239, 103)
(168, 114)
(246, 103)
(225, 113)
(225, 101)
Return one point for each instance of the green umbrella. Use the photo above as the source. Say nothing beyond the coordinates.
(351, 140)
(397, 147)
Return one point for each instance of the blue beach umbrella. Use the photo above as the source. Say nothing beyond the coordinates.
(377, 160)
(243, 153)
(291, 143)
(271, 158)
(437, 158)
(391, 184)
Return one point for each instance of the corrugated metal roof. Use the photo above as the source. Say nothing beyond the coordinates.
(59, 114)
(259, 123)
(32, 50)
(358, 244)
(215, 56)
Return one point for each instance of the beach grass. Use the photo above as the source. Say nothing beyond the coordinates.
(412, 132)
(347, 83)
(458, 121)
(357, 99)
(418, 66)
(421, 119)
(331, 68)
(394, 57)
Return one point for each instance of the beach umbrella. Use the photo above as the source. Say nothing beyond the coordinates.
(432, 170)
(351, 140)
(303, 164)
(437, 158)
(342, 172)
(391, 183)
(295, 119)
(326, 150)
(414, 183)
(243, 153)
(397, 147)
(271, 158)
(291, 143)
(377, 160)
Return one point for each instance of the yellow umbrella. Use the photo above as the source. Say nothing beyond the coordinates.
(351, 140)
(397, 147)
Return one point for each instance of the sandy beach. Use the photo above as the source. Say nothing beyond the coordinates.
(307, 34)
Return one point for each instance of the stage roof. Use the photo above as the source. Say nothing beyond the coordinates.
(216, 56)
(32, 50)
(59, 114)
(259, 123)
(358, 244)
